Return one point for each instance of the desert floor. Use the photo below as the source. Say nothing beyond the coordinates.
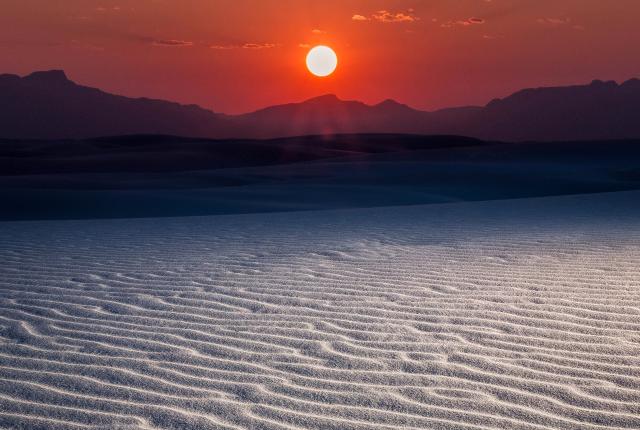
(518, 314)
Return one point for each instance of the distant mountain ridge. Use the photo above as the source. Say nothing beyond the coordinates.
(47, 105)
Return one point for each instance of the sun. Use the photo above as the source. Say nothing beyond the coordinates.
(322, 61)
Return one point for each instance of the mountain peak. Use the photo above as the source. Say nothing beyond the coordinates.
(631, 83)
(603, 84)
(49, 77)
(326, 98)
(391, 103)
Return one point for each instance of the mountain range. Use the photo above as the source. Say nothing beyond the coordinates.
(47, 105)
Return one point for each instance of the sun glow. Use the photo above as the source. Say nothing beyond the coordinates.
(322, 61)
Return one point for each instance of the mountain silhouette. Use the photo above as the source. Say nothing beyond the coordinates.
(47, 105)
(329, 115)
(601, 110)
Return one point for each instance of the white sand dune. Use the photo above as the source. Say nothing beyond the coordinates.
(497, 315)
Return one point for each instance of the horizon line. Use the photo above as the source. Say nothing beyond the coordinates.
(325, 95)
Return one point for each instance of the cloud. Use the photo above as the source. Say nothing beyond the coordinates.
(554, 21)
(245, 46)
(318, 31)
(560, 22)
(172, 43)
(259, 45)
(463, 22)
(304, 45)
(102, 9)
(387, 17)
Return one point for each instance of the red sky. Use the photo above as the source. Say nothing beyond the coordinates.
(240, 55)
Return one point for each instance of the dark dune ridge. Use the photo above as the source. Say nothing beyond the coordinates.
(152, 176)
(168, 153)
(47, 105)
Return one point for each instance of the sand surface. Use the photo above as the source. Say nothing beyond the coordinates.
(521, 314)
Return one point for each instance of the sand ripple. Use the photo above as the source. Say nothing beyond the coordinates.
(511, 315)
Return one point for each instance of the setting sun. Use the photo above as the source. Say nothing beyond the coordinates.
(322, 61)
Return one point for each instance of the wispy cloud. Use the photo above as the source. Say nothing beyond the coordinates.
(554, 21)
(259, 45)
(172, 43)
(97, 12)
(463, 22)
(103, 9)
(559, 22)
(387, 17)
(245, 46)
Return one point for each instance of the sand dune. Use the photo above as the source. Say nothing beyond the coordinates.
(520, 314)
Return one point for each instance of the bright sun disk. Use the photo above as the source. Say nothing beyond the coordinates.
(322, 61)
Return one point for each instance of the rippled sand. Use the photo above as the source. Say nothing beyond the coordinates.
(498, 315)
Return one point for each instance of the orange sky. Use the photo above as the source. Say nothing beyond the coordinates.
(239, 55)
